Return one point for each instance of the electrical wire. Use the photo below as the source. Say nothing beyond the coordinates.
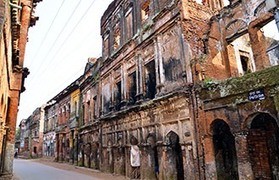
(69, 35)
(57, 37)
(47, 32)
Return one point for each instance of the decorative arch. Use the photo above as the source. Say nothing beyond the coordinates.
(153, 152)
(260, 8)
(246, 124)
(211, 127)
(235, 27)
(151, 138)
(263, 139)
(133, 140)
(172, 138)
(175, 155)
(170, 132)
(224, 150)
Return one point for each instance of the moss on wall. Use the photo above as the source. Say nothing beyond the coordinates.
(265, 78)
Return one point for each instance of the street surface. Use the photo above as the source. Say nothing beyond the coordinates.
(37, 170)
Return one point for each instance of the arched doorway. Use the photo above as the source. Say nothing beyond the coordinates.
(263, 147)
(175, 154)
(110, 157)
(82, 155)
(153, 152)
(224, 151)
(87, 153)
(95, 155)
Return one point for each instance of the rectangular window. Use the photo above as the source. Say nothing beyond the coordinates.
(245, 62)
(106, 46)
(150, 80)
(132, 88)
(129, 25)
(95, 110)
(83, 114)
(76, 109)
(145, 10)
(118, 96)
(88, 111)
(116, 37)
(106, 98)
(35, 133)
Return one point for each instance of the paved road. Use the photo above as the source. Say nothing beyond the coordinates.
(30, 170)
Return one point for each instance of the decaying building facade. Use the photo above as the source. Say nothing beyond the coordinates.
(31, 134)
(183, 91)
(68, 102)
(238, 109)
(50, 122)
(36, 132)
(15, 19)
(24, 137)
(146, 86)
(89, 135)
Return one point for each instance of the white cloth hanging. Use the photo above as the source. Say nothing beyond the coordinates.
(135, 156)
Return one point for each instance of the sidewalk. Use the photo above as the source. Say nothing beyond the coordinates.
(69, 167)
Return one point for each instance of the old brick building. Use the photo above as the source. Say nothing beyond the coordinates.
(184, 90)
(89, 126)
(50, 123)
(238, 99)
(31, 134)
(67, 121)
(36, 132)
(15, 19)
(146, 87)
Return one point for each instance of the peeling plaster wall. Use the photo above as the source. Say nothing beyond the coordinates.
(161, 118)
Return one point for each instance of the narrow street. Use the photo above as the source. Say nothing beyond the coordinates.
(43, 170)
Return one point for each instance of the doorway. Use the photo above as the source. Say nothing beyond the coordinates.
(263, 147)
(176, 154)
(224, 151)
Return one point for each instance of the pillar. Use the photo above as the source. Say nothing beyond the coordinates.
(57, 147)
(259, 47)
(11, 124)
(76, 148)
(244, 166)
(139, 78)
(160, 75)
(209, 158)
(25, 22)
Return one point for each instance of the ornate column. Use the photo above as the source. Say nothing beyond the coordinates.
(160, 75)
(139, 78)
(244, 166)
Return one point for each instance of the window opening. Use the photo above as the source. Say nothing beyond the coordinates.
(133, 88)
(150, 80)
(225, 152)
(145, 10)
(116, 37)
(88, 112)
(118, 96)
(244, 63)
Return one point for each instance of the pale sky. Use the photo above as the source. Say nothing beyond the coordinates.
(58, 57)
(56, 54)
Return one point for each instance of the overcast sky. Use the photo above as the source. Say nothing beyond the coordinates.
(66, 35)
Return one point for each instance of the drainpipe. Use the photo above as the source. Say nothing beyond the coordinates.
(15, 5)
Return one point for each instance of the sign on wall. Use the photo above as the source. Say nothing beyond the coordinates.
(256, 95)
